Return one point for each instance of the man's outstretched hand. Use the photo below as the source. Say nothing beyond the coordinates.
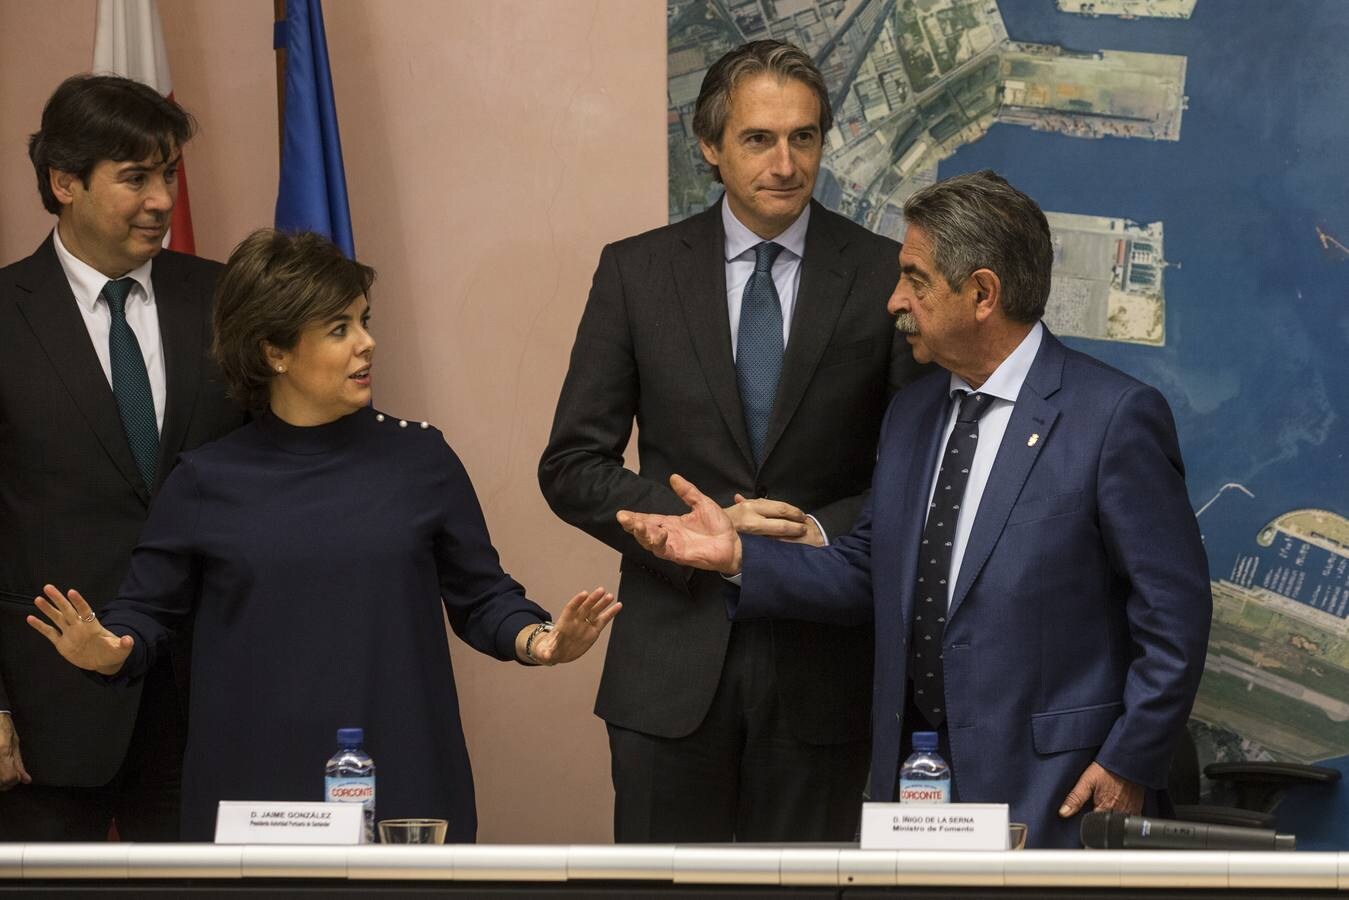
(704, 537)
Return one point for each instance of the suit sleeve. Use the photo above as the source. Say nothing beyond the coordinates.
(160, 590)
(485, 606)
(582, 473)
(1153, 543)
(5, 704)
(828, 585)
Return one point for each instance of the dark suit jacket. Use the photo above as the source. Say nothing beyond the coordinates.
(654, 344)
(72, 501)
(1079, 624)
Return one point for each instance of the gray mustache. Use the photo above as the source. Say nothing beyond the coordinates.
(905, 323)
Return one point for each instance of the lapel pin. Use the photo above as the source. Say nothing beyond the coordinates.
(1033, 439)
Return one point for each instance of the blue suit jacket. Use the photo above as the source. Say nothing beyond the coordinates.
(1078, 627)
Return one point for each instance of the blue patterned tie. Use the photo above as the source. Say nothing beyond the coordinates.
(758, 355)
(131, 383)
(935, 557)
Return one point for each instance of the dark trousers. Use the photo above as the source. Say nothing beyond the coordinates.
(142, 797)
(742, 775)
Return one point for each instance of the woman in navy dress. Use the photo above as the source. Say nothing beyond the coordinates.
(312, 552)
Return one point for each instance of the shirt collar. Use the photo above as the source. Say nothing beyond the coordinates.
(740, 240)
(1006, 380)
(86, 282)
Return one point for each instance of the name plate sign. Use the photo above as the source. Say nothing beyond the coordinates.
(937, 826)
(249, 822)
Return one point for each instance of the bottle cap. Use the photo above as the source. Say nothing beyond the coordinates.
(925, 740)
(349, 737)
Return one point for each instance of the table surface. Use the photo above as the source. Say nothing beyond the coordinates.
(792, 865)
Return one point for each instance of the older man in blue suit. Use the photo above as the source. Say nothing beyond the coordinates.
(1028, 554)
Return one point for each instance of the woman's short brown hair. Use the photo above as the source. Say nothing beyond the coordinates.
(275, 284)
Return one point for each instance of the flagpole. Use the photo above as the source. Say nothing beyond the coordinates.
(311, 191)
(279, 8)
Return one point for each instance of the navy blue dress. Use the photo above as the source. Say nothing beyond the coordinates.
(317, 562)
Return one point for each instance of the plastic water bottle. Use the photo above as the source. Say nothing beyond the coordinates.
(350, 776)
(925, 777)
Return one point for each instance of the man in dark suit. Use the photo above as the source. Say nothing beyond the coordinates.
(104, 379)
(1028, 554)
(750, 344)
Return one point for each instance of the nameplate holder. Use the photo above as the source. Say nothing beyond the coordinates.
(253, 822)
(936, 826)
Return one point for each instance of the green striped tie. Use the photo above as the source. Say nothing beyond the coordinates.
(131, 383)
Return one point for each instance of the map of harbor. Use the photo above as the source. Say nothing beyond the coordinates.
(911, 82)
(1278, 663)
(1130, 9)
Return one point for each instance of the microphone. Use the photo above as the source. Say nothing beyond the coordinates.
(1111, 830)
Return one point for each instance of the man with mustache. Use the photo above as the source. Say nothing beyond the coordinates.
(1028, 554)
(104, 379)
(750, 344)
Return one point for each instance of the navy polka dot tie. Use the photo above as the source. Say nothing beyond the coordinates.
(934, 558)
(131, 383)
(758, 354)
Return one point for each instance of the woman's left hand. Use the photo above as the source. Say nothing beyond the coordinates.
(577, 627)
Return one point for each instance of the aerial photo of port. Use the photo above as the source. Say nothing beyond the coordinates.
(1278, 663)
(912, 81)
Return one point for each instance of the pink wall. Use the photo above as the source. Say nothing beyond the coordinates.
(492, 147)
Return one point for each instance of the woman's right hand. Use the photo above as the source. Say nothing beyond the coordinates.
(76, 633)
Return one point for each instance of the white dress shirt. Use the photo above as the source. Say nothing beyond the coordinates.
(740, 244)
(87, 283)
(1004, 385)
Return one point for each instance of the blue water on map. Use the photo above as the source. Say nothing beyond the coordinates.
(1256, 361)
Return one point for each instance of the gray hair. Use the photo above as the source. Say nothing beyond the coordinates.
(979, 221)
(777, 58)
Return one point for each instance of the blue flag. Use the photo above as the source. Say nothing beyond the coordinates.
(312, 195)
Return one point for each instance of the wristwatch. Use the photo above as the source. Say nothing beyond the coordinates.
(541, 628)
